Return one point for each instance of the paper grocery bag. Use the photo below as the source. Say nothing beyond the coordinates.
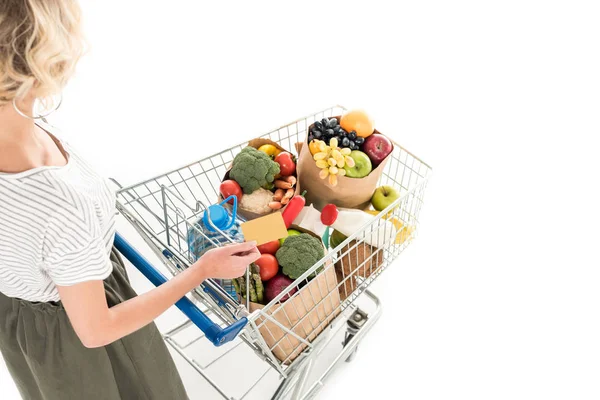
(249, 215)
(306, 314)
(348, 193)
(357, 260)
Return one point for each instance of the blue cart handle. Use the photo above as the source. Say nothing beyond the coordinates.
(217, 335)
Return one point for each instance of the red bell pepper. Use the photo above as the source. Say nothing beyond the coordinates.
(293, 209)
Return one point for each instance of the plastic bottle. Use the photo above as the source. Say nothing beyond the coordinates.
(205, 234)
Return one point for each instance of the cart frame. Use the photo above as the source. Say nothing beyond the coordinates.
(164, 209)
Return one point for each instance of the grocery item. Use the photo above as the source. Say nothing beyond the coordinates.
(351, 221)
(277, 285)
(258, 201)
(310, 219)
(293, 209)
(331, 160)
(287, 164)
(336, 239)
(268, 266)
(230, 187)
(299, 253)
(328, 216)
(291, 232)
(377, 147)
(348, 192)
(314, 146)
(287, 182)
(358, 121)
(404, 231)
(269, 150)
(328, 129)
(269, 247)
(204, 234)
(384, 196)
(255, 286)
(361, 166)
(252, 169)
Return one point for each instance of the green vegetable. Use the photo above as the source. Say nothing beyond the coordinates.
(256, 286)
(253, 169)
(298, 254)
(260, 290)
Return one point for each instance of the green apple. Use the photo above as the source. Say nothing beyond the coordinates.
(336, 238)
(291, 232)
(384, 196)
(362, 165)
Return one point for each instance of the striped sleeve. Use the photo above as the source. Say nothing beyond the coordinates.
(74, 248)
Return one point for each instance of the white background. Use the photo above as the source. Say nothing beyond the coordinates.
(498, 297)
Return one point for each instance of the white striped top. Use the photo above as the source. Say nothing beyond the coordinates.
(57, 227)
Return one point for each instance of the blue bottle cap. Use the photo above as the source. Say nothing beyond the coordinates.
(218, 216)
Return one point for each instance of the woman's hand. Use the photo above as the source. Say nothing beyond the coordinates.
(227, 262)
(98, 325)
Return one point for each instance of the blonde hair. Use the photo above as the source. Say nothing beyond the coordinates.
(40, 44)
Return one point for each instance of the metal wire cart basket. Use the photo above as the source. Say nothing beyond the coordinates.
(286, 338)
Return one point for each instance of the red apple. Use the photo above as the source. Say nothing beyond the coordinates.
(377, 147)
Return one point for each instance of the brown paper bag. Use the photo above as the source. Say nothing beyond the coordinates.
(316, 305)
(356, 259)
(349, 192)
(245, 214)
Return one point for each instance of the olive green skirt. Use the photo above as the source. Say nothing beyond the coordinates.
(48, 362)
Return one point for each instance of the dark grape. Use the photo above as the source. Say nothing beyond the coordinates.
(333, 123)
(329, 132)
(352, 135)
(337, 129)
(345, 142)
(351, 144)
(318, 134)
(359, 140)
(310, 138)
(325, 122)
(318, 125)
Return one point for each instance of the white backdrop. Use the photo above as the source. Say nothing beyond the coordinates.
(498, 297)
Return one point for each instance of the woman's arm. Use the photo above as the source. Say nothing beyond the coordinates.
(98, 325)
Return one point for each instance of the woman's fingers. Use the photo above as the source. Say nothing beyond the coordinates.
(241, 248)
(248, 257)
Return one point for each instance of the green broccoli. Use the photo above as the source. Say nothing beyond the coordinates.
(298, 254)
(253, 169)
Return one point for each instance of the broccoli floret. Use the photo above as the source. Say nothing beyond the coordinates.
(252, 169)
(298, 254)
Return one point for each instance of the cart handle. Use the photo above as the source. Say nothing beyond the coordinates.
(217, 335)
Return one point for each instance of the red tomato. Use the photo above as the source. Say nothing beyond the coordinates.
(269, 247)
(329, 214)
(286, 163)
(268, 266)
(231, 188)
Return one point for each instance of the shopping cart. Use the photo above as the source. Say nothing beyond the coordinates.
(288, 339)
